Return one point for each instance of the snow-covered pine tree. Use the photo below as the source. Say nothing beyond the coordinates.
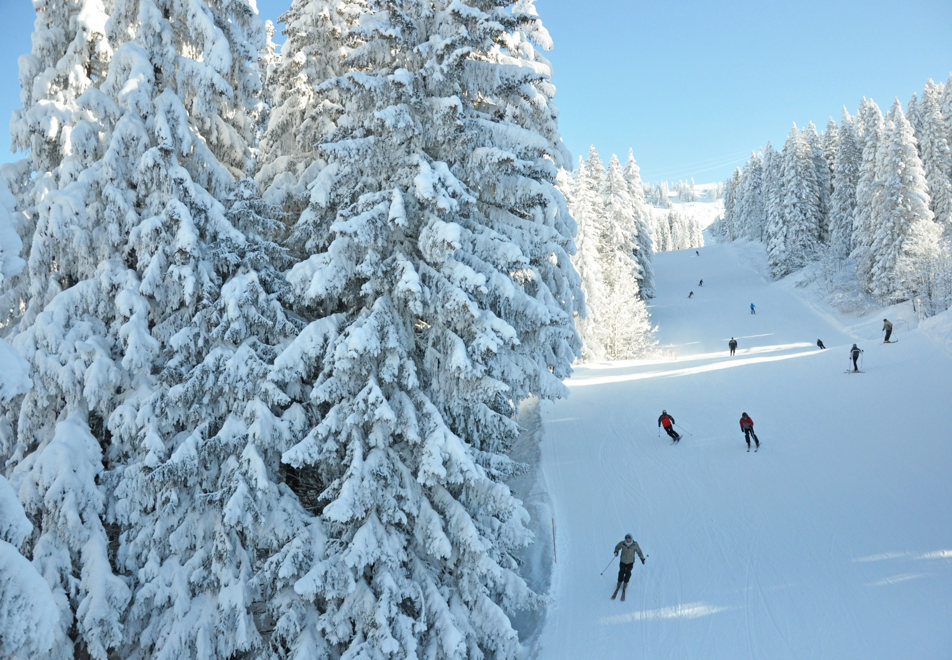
(443, 297)
(775, 230)
(935, 152)
(846, 164)
(644, 249)
(901, 207)
(588, 209)
(819, 147)
(749, 205)
(870, 126)
(162, 305)
(729, 225)
(945, 104)
(618, 222)
(197, 447)
(800, 208)
(625, 326)
(57, 316)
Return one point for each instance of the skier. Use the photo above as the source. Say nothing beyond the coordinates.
(752, 310)
(887, 326)
(691, 295)
(701, 283)
(819, 343)
(628, 548)
(854, 353)
(732, 344)
(667, 421)
(747, 426)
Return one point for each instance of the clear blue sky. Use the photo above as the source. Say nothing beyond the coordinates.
(692, 86)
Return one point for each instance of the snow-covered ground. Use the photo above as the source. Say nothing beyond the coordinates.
(834, 541)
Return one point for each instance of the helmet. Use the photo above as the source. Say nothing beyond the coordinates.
(743, 414)
(628, 537)
(664, 412)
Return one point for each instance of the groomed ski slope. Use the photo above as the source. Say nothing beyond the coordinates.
(834, 541)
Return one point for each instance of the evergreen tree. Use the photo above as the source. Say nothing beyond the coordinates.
(935, 153)
(625, 326)
(945, 104)
(731, 220)
(442, 296)
(749, 204)
(819, 148)
(644, 249)
(868, 188)
(589, 212)
(901, 208)
(801, 206)
(846, 165)
(56, 316)
(775, 235)
(150, 454)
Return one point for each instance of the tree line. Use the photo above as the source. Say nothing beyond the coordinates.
(871, 196)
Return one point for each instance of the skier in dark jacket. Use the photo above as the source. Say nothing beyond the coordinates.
(854, 353)
(732, 344)
(628, 549)
(753, 310)
(747, 426)
(819, 343)
(667, 422)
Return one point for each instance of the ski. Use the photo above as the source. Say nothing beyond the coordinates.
(615, 593)
(623, 592)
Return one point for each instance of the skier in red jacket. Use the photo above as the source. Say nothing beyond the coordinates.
(747, 426)
(667, 421)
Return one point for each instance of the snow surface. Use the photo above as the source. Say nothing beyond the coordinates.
(833, 541)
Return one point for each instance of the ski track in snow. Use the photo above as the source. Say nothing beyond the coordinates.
(833, 541)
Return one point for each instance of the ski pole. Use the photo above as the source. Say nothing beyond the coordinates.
(609, 564)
